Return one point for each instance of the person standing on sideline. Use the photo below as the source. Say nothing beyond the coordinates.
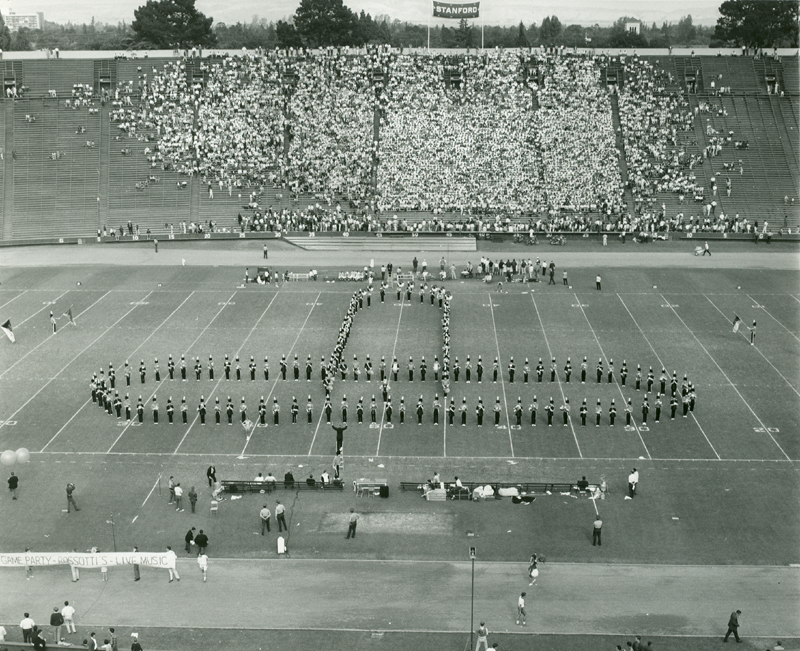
(483, 637)
(13, 485)
(733, 626)
(597, 529)
(201, 540)
(265, 515)
(68, 613)
(70, 499)
(633, 480)
(189, 539)
(192, 497)
(597, 282)
(351, 529)
(280, 516)
(706, 249)
(202, 561)
(27, 625)
(57, 622)
(172, 560)
(211, 473)
(521, 614)
(136, 576)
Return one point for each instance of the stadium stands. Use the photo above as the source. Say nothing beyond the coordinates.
(441, 140)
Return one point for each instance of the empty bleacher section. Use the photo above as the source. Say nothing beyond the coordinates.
(394, 141)
(56, 180)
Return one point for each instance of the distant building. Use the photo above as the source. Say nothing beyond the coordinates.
(633, 27)
(30, 21)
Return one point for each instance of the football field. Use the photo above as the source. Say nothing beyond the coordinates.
(718, 488)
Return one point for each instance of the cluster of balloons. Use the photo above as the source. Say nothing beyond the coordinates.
(9, 457)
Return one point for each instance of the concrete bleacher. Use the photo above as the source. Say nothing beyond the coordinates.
(770, 161)
(54, 197)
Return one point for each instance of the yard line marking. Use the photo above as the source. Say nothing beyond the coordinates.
(502, 380)
(234, 455)
(759, 352)
(100, 336)
(125, 429)
(624, 402)
(64, 425)
(772, 317)
(158, 479)
(560, 387)
(746, 404)
(45, 307)
(14, 299)
(291, 350)
(319, 422)
(394, 352)
(134, 350)
(53, 334)
(636, 323)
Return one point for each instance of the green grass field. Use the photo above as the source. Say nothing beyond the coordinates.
(717, 488)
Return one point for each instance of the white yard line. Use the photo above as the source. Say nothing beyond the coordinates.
(624, 402)
(14, 299)
(761, 307)
(134, 350)
(394, 353)
(127, 425)
(636, 323)
(100, 336)
(560, 387)
(789, 384)
(764, 427)
(291, 350)
(502, 380)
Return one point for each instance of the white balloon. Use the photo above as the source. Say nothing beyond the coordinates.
(8, 458)
(23, 455)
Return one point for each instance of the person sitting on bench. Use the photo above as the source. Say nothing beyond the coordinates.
(583, 484)
(310, 481)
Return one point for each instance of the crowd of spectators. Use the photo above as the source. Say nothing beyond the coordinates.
(331, 142)
(576, 136)
(459, 137)
(492, 141)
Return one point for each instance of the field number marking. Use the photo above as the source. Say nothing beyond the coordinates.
(764, 430)
(226, 303)
(4, 423)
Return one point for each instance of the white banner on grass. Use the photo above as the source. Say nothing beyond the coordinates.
(162, 560)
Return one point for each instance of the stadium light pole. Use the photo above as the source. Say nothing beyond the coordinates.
(472, 555)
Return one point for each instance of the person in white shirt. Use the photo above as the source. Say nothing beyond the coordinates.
(202, 561)
(270, 478)
(521, 614)
(3, 633)
(172, 559)
(179, 497)
(68, 612)
(260, 478)
(27, 625)
(325, 478)
(633, 480)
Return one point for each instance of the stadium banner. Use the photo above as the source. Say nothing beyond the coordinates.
(461, 10)
(161, 560)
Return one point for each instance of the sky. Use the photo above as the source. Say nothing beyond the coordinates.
(497, 12)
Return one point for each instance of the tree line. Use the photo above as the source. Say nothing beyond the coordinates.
(168, 24)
